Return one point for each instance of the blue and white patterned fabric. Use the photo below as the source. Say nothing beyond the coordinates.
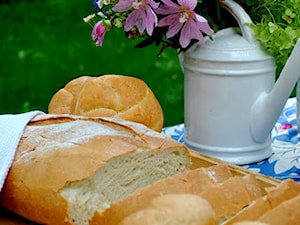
(285, 159)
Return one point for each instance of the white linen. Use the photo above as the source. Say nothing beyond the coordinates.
(11, 130)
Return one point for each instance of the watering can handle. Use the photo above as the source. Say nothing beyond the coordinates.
(242, 18)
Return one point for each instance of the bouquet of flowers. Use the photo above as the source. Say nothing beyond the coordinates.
(166, 22)
(181, 23)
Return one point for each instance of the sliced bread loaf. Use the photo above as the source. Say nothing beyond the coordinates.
(226, 194)
(192, 182)
(66, 167)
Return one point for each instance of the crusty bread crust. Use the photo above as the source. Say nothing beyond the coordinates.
(57, 151)
(232, 195)
(274, 197)
(174, 209)
(64, 101)
(286, 213)
(117, 96)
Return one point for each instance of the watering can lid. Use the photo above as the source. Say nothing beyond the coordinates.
(228, 45)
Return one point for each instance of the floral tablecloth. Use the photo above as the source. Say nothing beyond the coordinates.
(285, 159)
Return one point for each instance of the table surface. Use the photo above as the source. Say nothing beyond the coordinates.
(284, 162)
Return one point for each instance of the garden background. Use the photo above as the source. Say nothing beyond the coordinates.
(45, 43)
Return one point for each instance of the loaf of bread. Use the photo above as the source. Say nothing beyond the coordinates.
(117, 96)
(67, 167)
(174, 209)
(81, 170)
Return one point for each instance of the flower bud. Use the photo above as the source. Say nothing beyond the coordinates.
(107, 24)
(118, 22)
(88, 18)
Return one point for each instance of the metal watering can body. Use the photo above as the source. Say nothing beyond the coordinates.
(231, 99)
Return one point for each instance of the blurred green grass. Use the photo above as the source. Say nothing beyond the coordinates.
(45, 44)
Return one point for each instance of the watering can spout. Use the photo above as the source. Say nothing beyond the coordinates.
(268, 106)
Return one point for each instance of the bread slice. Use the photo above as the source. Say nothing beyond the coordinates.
(286, 213)
(287, 189)
(193, 182)
(66, 167)
(233, 195)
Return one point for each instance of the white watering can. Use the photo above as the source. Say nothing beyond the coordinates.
(231, 99)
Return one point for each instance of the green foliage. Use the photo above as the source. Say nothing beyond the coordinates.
(45, 44)
(276, 26)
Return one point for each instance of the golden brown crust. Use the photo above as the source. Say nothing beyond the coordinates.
(175, 209)
(231, 196)
(252, 213)
(64, 101)
(117, 96)
(286, 213)
(56, 150)
(287, 189)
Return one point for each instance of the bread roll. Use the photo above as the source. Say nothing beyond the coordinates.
(174, 209)
(117, 96)
(66, 167)
(191, 182)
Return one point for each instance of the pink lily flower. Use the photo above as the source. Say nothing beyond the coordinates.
(185, 19)
(99, 31)
(143, 15)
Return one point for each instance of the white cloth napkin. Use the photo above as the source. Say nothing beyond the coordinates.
(11, 130)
